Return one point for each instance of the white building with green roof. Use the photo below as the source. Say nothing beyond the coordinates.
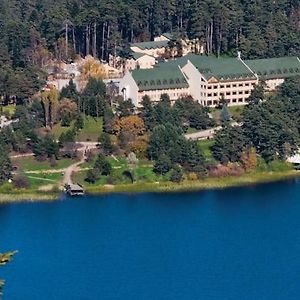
(274, 70)
(168, 79)
(207, 79)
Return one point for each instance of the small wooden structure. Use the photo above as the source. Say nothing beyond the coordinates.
(74, 189)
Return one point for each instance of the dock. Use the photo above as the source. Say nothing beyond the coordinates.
(74, 189)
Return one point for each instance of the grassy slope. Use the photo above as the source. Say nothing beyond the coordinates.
(91, 131)
(30, 164)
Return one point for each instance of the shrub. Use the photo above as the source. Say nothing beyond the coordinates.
(21, 182)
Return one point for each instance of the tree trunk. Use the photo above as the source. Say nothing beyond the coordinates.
(87, 40)
(67, 39)
(74, 39)
(95, 40)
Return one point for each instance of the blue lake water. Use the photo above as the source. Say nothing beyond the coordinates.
(241, 243)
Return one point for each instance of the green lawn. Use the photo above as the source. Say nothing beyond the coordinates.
(92, 129)
(142, 172)
(236, 112)
(37, 180)
(90, 132)
(31, 164)
(57, 130)
(9, 109)
(205, 145)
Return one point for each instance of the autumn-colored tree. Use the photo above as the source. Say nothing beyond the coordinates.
(133, 124)
(249, 159)
(50, 103)
(139, 146)
(91, 67)
(67, 111)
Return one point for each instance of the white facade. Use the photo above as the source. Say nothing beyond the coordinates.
(143, 62)
(272, 84)
(129, 89)
(155, 95)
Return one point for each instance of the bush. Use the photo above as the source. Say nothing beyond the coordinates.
(21, 182)
(176, 174)
(279, 166)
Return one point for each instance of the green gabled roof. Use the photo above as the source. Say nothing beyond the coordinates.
(270, 68)
(137, 55)
(223, 69)
(150, 45)
(168, 35)
(166, 77)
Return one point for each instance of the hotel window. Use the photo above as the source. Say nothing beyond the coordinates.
(240, 84)
(234, 100)
(209, 102)
(215, 94)
(234, 85)
(240, 92)
(209, 87)
(215, 86)
(221, 94)
(228, 86)
(233, 93)
(247, 92)
(240, 99)
(228, 93)
(216, 102)
(209, 95)
(247, 84)
(222, 86)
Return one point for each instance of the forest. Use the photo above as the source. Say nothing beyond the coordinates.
(33, 31)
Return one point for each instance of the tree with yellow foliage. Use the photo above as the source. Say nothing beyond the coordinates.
(50, 103)
(91, 67)
(249, 159)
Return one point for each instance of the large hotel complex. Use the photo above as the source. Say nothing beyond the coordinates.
(207, 79)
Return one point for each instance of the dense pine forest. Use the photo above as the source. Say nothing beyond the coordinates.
(32, 31)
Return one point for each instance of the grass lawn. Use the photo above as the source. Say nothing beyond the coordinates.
(142, 172)
(57, 130)
(37, 180)
(92, 129)
(9, 109)
(30, 164)
(90, 132)
(191, 130)
(236, 112)
(205, 145)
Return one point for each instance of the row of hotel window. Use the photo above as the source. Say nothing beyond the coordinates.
(227, 86)
(230, 101)
(225, 94)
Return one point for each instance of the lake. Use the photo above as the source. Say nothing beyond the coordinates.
(240, 243)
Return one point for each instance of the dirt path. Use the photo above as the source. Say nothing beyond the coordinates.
(75, 167)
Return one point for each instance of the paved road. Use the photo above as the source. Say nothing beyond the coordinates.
(203, 134)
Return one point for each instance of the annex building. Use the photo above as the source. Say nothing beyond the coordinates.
(207, 79)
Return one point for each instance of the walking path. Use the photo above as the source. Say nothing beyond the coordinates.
(203, 134)
(86, 147)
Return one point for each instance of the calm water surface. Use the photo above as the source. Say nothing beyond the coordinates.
(241, 243)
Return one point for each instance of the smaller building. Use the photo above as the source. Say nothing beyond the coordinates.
(140, 61)
(154, 48)
(273, 71)
(167, 79)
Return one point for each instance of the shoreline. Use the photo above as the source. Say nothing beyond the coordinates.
(158, 187)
